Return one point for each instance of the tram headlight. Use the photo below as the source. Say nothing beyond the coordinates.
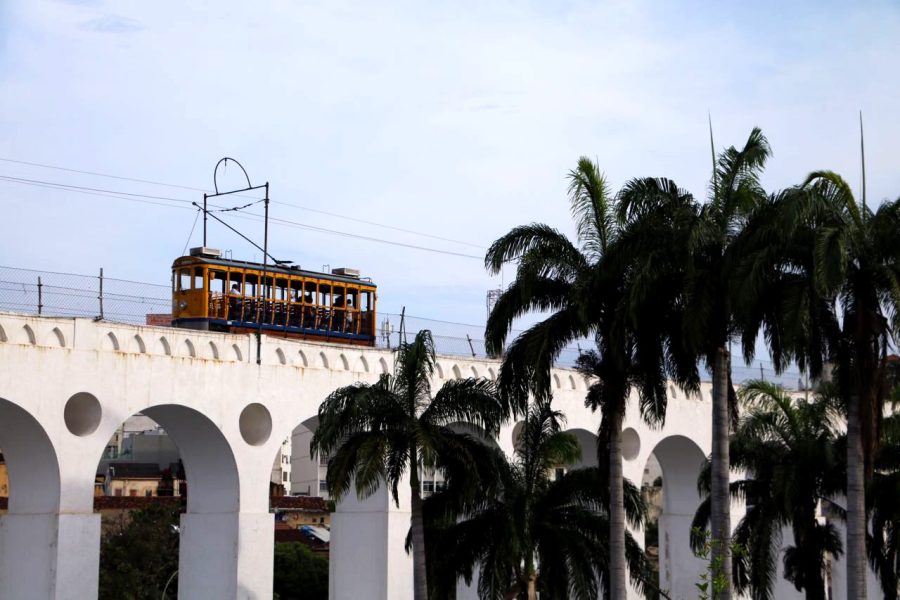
(182, 305)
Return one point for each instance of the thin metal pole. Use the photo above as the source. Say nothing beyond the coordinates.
(472, 348)
(265, 265)
(862, 153)
(40, 296)
(100, 297)
(204, 219)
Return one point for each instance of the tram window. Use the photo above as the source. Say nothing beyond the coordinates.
(338, 298)
(309, 292)
(267, 288)
(217, 282)
(296, 290)
(198, 278)
(281, 289)
(324, 295)
(250, 285)
(365, 301)
(235, 281)
(351, 298)
(184, 280)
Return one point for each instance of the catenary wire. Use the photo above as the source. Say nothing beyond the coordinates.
(196, 189)
(144, 198)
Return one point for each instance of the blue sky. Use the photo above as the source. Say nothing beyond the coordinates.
(459, 120)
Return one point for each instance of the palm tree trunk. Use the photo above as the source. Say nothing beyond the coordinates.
(618, 577)
(720, 500)
(856, 513)
(531, 591)
(417, 526)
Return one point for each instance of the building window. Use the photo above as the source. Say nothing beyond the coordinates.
(117, 492)
(148, 492)
(559, 474)
(132, 492)
(284, 476)
(428, 487)
(323, 485)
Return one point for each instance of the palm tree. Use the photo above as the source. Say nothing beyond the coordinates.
(831, 268)
(883, 545)
(377, 433)
(535, 532)
(586, 287)
(790, 452)
(710, 322)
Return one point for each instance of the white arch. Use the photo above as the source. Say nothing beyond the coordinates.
(492, 375)
(474, 371)
(279, 354)
(383, 365)
(303, 361)
(556, 382)
(28, 335)
(189, 349)
(457, 374)
(3, 337)
(164, 346)
(680, 460)
(28, 559)
(344, 362)
(139, 344)
(323, 360)
(362, 364)
(437, 369)
(588, 442)
(572, 384)
(213, 350)
(238, 355)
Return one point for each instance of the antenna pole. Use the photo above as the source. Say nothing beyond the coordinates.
(712, 149)
(862, 153)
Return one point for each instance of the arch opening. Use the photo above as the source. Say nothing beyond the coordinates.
(669, 488)
(175, 451)
(32, 484)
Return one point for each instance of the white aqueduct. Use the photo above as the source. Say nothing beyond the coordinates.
(66, 385)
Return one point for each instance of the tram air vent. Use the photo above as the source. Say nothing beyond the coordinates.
(345, 272)
(206, 251)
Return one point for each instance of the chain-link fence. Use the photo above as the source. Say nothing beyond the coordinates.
(71, 295)
(124, 301)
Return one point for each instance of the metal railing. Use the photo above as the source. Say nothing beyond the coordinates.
(140, 303)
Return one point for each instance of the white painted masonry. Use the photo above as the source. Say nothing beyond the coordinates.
(67, 385)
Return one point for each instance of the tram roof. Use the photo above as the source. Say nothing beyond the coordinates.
(254, 266)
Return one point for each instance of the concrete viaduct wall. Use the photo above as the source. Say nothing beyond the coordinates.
(66, 385)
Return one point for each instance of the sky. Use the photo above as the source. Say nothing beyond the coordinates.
(453, 120)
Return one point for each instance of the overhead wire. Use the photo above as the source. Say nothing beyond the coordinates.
(149, 199)
(282, 203)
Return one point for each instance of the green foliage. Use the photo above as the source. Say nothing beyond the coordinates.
(713, 580)
(300, 574)
(530, 526)
(138, 556)
(794, 458)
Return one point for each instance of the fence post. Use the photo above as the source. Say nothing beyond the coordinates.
(40, 296)
(100, 297)
(471, 348)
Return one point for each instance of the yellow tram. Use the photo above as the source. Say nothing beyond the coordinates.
(213, 293)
